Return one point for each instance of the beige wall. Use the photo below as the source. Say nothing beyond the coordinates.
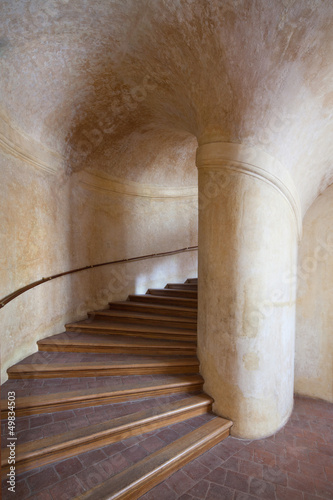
(56, 222)
(314, 322)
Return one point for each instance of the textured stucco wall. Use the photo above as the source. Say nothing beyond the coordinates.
(314, 324)
(53, 223)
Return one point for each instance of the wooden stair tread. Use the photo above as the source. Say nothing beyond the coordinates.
(127, 327)
(173, 292)
(182, 286)
(139, 478)
(84, 369)
(97, 395)
(135, 317)
(148, 331)
(103, 343)
(192, 280)
(164, 299)
(132, 305)
(46, 450)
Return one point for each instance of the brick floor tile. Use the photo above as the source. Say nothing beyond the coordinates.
(113, 448)
(320, 459)
(135, 453)
(168, 435)
(231, 464)
(210, 460)
(68, 467)
(42, 495)
(326, 449)
(283, 493)
(38, 420)
(239, 495)
(329, 473)
(195, 470)
(152, 444)
(90, 477)
(91, 457)
(237, 481)
(290, 464)
(234, 444)
(22, 490)
(262, 489)
(63, 415)
(22, 424)
(310, 444)
(160, 492)
(301, 482)
(218, 492)
(45, 478)
(221, 451)
(29, 435)
(278, 449)
(324, 488)
(264, 457)
(312, 470)
(77, 422)
(180, 482)
(275, 475)
(199, 490)
(307, 496)
(251, 469)
(112, 465)
(67, 489)
(53, 429)
(217, 476)
(246, 454)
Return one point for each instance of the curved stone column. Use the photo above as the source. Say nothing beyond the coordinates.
(249, 224)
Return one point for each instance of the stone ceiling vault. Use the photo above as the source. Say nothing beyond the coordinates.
(128, 87)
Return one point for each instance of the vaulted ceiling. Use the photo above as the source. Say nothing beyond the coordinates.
(127, 87)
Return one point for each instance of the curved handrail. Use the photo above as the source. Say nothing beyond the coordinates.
(5, 300)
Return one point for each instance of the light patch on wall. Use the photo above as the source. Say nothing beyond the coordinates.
(251, 361)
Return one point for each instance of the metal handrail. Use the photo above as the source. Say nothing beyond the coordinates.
(5, 300)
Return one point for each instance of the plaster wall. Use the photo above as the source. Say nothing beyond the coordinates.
(57, 222)
(314, 324)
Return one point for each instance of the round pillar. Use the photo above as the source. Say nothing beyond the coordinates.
(249, 224)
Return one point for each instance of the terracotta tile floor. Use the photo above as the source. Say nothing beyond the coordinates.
(294, 464)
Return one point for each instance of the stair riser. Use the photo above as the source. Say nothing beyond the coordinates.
(189, 324)
(133, 482)
(170, 292)
(182, 286)
(158, 351)
(171, 301)
(105, 400)
(150, 335)
(100, 441)
(104, 372)
(161, 475)
(147, 309)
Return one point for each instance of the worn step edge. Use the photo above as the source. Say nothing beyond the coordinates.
(47, 403)
(173, 292)
(129, 330)
(164, 300)
(64, 370)
(65, 445)
(182, 286)
(153, 309)
(127, 317)
(136, 480)
(126, 345)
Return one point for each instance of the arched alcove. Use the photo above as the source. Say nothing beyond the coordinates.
(314, 313)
